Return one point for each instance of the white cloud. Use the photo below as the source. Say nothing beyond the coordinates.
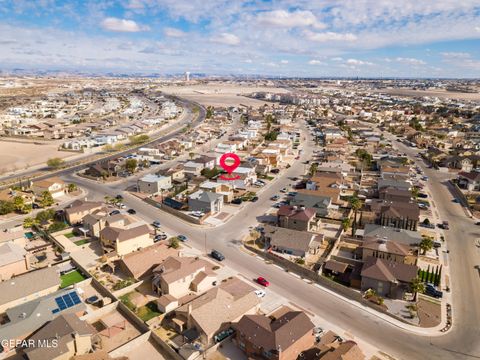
(315, 62)
(283, 61)
(283, 18)
(337, 58)
(329, 36)
(356, 62)
(172, 32)
(477, 28)
(456, 55)
(410, 61)
(227, 39)
(122, 25)
(248, 61)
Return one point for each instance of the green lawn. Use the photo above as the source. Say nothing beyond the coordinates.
(126, 300)
(71, 278)
(149, 311)
(69, 235)
(81, 242)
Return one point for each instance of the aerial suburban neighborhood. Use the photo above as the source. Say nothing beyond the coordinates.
(156, 203)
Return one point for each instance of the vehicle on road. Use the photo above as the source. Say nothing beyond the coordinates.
(156, 224)
(262, 281)
(217, 255)
(477, 223)
(275, 198)
(284, 190)
(444, 225)
(254, 199)
(131, 211)
(182, 238)
(237, 201)
(260, 293)
(456, 201)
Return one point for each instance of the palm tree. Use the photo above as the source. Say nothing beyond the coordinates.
(313, 169)
(417, 285)
(346, 222)
(426, 244)
(355, 204)
(71, 187)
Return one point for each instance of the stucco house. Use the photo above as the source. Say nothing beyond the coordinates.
(55, 186)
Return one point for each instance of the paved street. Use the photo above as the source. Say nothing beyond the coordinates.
(460, 343)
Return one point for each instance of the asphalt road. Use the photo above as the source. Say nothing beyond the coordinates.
(187, 105)
(462, 342)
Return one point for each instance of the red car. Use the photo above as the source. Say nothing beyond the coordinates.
(262, 281)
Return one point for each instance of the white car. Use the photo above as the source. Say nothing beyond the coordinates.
(260, 293)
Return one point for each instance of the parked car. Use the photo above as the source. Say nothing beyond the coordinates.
(217, 255)
(255, 198)
(262, 281)
(437, 244)
(275, 171)
(237, 201)
(197, 213)
(156, 224)
(159, 237)
(275, 198)
(431, 290)
(131, 211)
(260, 293)
(456, 201)
(122, 206)
(119, 197)
(114, 212)
(284, 190)
(182, 238)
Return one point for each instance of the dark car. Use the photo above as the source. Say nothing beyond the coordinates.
(237, 201)
(275, 171)
(255, 198)
(182, 238)
(432, 291)
(131, 211)
(114, 212)
(217, 255)
(119, 197)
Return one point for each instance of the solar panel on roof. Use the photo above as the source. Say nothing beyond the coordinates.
(61, 303)
(68, 300)
(54, 311)
(76, 300)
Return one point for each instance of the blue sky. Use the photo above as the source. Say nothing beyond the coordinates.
(414, 38)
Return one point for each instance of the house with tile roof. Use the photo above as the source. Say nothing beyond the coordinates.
(278, 337)
(387, 278)
(72, 337)
(14, 260)
(298, 218)
(124, 240)
(293, 242)
(216, 310)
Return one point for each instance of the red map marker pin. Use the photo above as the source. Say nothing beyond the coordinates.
(229, 168)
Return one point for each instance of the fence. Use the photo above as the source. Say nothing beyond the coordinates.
(321, 280)
(172, 211)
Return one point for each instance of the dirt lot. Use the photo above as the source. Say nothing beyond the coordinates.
(20, 155)
(429, 313)
(217, 94)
